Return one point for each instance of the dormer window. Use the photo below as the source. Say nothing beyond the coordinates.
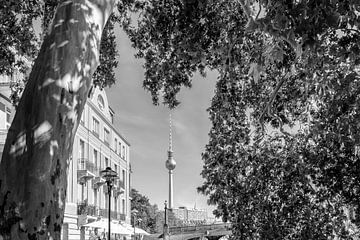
(101, 103)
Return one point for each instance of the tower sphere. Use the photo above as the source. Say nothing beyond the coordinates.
(170, 164)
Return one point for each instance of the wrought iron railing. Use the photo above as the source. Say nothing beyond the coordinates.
(105, 213)
(86, 209)
(200, 227)
(85, 164)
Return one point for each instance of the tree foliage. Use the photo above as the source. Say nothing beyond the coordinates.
(17, 36)
(146, 212)
(148, 216)
(291, 67)
(24, 25)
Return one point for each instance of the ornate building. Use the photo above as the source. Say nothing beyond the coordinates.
(7, 110)
(97, 145)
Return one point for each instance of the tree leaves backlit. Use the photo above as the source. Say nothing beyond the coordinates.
(282, 159)
(288, 67)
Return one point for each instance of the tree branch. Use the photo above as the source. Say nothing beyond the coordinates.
(271, 100)
(260, 8)
(246, 9)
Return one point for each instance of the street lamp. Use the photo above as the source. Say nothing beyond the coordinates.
(165, 222)
(109, 175)
(134, 212)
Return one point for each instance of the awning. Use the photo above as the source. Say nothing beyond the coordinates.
(114, 227)
(137, 230)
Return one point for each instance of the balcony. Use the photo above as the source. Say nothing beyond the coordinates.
(86, 170)
(98, 182)
(83, 208)
(118, 191)
(86, 209)
(118, 188)
(105, 213)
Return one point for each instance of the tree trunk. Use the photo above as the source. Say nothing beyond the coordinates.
(34, 164)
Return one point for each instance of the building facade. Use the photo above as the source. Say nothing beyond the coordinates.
(7, 110)
(97, 145)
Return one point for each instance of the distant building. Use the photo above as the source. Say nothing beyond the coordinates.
(183, 216)
(190, 216)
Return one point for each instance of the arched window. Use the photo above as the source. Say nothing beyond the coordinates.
(101, 103)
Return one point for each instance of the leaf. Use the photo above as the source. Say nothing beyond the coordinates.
(255, 71)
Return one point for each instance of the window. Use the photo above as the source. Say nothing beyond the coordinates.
(95, 198)
(8, 113)
(116, 204)
(101, 103)
(115, 168)
(82, 149)
(96, 158)
(8, 117)
(2, 107)
(123, 176)
(123, 152)
(96, 126)
(123, 206)
(106, 136)
(82, 119)
(115, 147)
(106, 162)
(119, 150)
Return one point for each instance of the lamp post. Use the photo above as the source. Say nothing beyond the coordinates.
(109, 175)
(165, 222)
(134, 212)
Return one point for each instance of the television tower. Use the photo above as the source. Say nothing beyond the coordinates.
(170, 165)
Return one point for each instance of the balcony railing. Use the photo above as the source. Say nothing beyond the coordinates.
(105, 213)
(86, 209)
(86, 170)
(85, 164)
(98, 182)
(91, 210)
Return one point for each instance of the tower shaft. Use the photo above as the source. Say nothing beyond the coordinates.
(171, 190)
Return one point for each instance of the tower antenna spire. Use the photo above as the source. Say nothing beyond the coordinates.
(170, 165)
(170, 133)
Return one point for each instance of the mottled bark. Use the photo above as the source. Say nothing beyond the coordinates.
(34, 165)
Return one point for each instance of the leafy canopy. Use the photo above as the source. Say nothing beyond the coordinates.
(291, 67)
(24, 24)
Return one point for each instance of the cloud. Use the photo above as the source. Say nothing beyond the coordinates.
(179, 126)
(135, 120)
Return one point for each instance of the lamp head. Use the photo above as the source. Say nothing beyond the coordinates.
(109, 175)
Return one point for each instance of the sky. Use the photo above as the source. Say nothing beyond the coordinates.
(146, 127)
